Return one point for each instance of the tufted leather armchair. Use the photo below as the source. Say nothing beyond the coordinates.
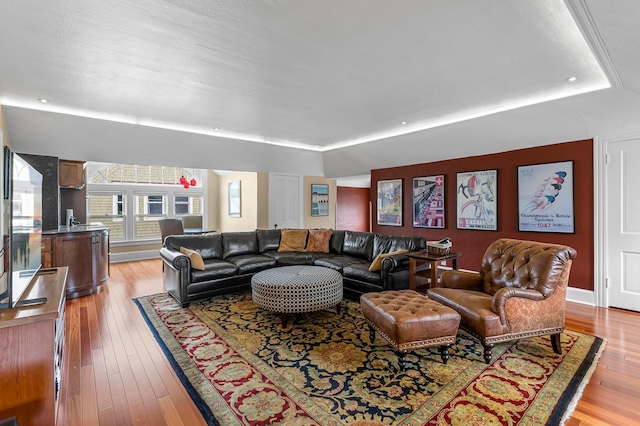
(519, 292)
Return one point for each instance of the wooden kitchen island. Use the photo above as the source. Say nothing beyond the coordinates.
(85, 250)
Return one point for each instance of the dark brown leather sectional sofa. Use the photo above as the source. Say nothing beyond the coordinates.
(232, 258)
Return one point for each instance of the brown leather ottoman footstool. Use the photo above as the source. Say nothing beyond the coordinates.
(409, 320)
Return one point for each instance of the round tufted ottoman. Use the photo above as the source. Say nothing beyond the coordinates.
(410, 320)
(295, 289)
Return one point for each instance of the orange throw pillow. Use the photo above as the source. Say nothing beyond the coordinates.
(319, 240)
(293, 240)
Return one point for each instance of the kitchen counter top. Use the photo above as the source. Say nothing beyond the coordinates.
(96, 226)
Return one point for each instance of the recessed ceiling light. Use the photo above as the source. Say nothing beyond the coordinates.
(572, 79)
(317, 144)
(216, 128)
(403, 123)
(44, 101)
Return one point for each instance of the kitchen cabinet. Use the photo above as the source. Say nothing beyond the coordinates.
(31, 353)
(71, 174)
(47, 251)
(85, 250)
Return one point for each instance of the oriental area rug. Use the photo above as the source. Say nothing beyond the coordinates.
(242, 368)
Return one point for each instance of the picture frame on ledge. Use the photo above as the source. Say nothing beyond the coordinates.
(319, 200)
(389, 211)
(477, 200)
(546, 198)
(234, 199)
(428, 202)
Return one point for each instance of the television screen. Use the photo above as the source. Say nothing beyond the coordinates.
(25, 226)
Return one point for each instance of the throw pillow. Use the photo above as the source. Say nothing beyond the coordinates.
(293, 240)
(194, 257)
(319, 240)
(376, 265)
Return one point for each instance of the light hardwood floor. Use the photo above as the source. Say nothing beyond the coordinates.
(116, 374)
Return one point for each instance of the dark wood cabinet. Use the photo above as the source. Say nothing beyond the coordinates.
(71, 174)
(87, 256)
(75, 251)
(31, 353)
(47, 251)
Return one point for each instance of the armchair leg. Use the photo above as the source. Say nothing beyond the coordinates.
(556, 343)
(372, 334)
(488, 347)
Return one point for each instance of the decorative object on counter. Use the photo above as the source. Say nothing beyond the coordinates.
(477, 200)
(390, 202)
(428, 202)
(545, 198)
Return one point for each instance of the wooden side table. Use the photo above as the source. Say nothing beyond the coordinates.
(423, 257)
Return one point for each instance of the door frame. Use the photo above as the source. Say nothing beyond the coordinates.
(601, 215)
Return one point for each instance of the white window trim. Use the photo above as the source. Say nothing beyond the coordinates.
(129, 191)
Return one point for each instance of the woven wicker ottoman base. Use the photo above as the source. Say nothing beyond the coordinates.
(409, 320)
(296, 289)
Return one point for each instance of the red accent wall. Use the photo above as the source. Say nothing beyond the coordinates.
(474, 243)
(352, 209)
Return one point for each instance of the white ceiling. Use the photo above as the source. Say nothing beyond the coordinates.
(314, 87)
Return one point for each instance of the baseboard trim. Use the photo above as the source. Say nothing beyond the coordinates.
(130, 256)
(578, 295)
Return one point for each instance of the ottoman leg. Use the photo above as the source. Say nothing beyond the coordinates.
(444, 352)
(402, 357)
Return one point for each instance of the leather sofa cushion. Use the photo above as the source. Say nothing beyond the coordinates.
(473, 306)
(214, 269)
(336, 241)
(268, 239)
(338, 262)
(358, 244)
(361, 272)
(387, 243)
(250, 263)
(292, 258)
(208, 246)
(238, 243)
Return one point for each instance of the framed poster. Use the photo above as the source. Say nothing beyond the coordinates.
(545, 198)
(235, 206)
(477, 200)
(390, 202)
(428, 202)
(319, 200)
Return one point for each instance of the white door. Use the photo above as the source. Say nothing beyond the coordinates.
(285, 206)
(623, 227)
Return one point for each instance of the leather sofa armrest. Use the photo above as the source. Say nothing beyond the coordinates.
(174, 258)
(501, 296)
(463, 280)
(395, 262)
